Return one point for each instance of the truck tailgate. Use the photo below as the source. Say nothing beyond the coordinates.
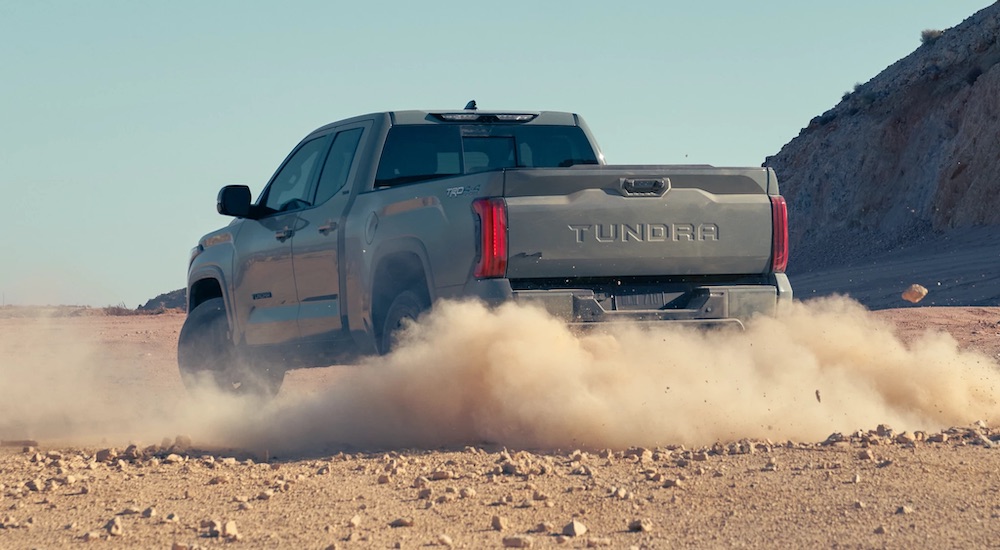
(637, 221)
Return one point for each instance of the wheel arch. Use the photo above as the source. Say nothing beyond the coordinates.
(394, 273)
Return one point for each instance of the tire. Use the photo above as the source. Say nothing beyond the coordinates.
(407, 305)
(207, 356)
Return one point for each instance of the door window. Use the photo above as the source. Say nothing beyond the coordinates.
(338, 164)
(289, 189)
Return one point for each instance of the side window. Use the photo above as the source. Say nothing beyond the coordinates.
(417, 153)
(289, 190)
(338, 164)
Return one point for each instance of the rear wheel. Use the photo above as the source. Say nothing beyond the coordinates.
(207, 356)
(405, 307)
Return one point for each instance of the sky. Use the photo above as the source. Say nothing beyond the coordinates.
(120, 120)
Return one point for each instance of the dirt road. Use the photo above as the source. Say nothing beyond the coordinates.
(81, 483)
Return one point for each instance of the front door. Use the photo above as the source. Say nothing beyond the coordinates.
(264, 276)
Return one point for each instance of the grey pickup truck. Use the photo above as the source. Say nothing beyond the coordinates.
(370, 220)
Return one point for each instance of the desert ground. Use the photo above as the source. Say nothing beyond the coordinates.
(103, 447)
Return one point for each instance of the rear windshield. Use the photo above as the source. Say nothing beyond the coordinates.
(422, 152)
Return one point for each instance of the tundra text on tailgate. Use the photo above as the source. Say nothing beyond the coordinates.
(370, 220)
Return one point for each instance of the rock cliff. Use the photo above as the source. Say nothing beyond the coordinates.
(909, 155)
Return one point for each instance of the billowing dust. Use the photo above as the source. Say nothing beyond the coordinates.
(515, 376)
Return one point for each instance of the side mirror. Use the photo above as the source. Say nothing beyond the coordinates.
(234, 200)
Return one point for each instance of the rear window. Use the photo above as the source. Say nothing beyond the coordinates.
(423, 152)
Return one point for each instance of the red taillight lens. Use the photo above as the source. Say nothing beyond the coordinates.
(779, 240)
(492, 237)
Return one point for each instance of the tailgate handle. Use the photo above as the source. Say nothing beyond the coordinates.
(645, 187)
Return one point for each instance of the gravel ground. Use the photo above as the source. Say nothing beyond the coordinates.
(871, 488)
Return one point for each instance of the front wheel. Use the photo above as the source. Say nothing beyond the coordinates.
(405, 307)
(207, 356)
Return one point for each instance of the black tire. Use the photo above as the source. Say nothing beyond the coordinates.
(206, 355)
(407, 305)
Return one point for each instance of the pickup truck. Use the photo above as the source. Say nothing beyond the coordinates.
(370, 220)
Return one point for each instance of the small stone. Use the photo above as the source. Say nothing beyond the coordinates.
(149, 512)
(574, 529)
(91, 536)
(640, 525)
(905, 438)
(499, 523)
(938, 438)
(914, 293)
(856, 479)
(244, 506)
(439, 475)
(132, 452)
(538, 495)
(173, 458)
(425, 493)
(229, 531)
(904, 510)
(866, 455)
(354, 521)
(467, 492)
(543, 527)
(671, 483)
(420, 482)
(172, 518)
(266, 494)
(35, 485)
(214, 527)
(402, 522)
(114, 527)
(518, 541)
(445, 540)
(859, 505)
(383, 479)
(219, 480)
(106, 455)
(880, 530)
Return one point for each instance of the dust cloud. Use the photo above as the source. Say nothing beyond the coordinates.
(514, 376)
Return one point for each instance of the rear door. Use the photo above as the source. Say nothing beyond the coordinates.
(317, 245)
(264, 275)
(631, 221)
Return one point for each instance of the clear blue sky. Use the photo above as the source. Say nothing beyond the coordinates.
(120, 120)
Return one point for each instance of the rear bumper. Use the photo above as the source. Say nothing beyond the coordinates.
(706, 305)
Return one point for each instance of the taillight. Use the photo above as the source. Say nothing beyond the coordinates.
(492, 237)
(779, 239)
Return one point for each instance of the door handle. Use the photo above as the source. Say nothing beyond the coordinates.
(283, 234)
(330, 226)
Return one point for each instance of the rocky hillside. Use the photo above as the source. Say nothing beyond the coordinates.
(175, 299)
(909, 155)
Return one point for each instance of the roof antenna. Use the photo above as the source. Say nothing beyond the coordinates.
(471, 106)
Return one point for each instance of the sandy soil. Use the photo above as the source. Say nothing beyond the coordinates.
(870, 488)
